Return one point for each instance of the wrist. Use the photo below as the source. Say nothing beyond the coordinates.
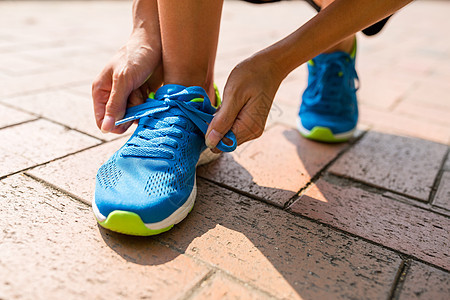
(271, 65)
(146, 27)
(141, 38)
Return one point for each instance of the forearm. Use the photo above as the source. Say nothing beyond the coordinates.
(146, 22)
(333, 24)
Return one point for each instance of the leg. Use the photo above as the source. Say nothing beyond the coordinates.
(347, 44)
(189, 34)
(153, 174)
(329, 109)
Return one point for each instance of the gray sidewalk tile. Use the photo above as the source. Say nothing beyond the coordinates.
(425, 282)
(400, 226)
(442, 197)
(404, 165)
(393, 123)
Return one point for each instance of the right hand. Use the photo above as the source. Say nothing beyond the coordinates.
(126, 81)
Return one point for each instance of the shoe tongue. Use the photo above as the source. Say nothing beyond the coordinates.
(167, 90)
(329, 57)
(199, 103)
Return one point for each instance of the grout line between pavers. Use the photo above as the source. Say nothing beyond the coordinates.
(240, 282)
(78, 199)
(319, 174)
(231, 277)
(399, 279)
(398, 252)
(411, 200)
(39, 90)
(294, 197)
(380, 188)
(417, 204)
(405, 199)
(55, 187)
(437, 180)
(316, 177)
(49, 161)
(190, 294)
(25, 171)
(239, 192)
(41, 117)
(214, 271)
(74, 129)
(20, 123)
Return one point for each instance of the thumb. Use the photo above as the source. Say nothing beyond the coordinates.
(116, 105)
(222, 121)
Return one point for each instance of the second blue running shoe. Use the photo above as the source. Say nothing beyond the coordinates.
(329, 109)
(149, 184)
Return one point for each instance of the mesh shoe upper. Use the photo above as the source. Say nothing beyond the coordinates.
(330, 97)
(153, 174)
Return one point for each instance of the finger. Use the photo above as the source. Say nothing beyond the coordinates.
(246, 132)
(251, 120)
(101, 88)
(136, 97)
(224, 119)
(117, 102)
(122, 128)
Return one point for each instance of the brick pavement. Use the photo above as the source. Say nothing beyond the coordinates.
(364, 219)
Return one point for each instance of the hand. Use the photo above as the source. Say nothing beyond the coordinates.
(126, 81)
(248, 96)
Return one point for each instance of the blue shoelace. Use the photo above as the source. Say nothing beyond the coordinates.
(166, 120)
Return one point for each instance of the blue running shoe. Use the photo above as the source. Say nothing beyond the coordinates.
(149, 184)
(329, 109)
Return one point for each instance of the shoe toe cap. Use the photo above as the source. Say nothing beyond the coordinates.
(152, 199)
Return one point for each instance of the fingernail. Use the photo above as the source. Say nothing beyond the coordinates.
(213, 139)
(108, 124)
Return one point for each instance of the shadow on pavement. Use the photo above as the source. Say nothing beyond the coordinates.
(281, 253)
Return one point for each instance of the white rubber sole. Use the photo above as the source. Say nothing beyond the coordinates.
(181, 213)
(207, 156)
(339, 136)
(175, 218)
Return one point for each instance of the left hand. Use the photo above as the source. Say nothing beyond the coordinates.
(247, 99)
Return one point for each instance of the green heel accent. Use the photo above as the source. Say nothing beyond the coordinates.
(218, 98)
(353, 52)
(323, 134)
(129, 223)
